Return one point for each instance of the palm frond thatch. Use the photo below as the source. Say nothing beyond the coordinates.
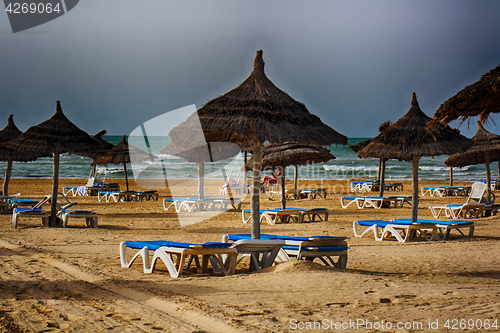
(103, 145)
(210, 152)
(258, 111)
(7, 154)
(477, 99)
(56, 135)
(484, 142)
(121, 153)
(292, 154)
(408, 138)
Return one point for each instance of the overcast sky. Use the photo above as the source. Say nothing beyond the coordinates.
(116, 64)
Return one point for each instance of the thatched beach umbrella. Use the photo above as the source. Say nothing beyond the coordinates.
(381, 165)
(121, 154)
(478, 99)
(486, 149)
(408, 139)
(209, 152)
(56, 135)
(255, 112)
(6, 154)
(103, 145)
(283, 155)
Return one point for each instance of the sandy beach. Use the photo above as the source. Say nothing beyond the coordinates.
(70, 280)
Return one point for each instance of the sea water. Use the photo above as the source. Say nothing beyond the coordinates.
(345, 166)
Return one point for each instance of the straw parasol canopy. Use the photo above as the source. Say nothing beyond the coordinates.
(120, 154)
(408, 139)
(56, 135)
(282, 155)
(478, 99)
(209, 152)
(103, 144)
(7, 154)
(486, 149)
(255, 112)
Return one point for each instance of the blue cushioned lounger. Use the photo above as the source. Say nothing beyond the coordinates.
(323, 247)
(165, 250)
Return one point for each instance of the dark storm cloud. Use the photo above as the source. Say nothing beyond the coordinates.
(117, 64)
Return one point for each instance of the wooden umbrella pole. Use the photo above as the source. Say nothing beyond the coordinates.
(451, 176)
(201, 179)
(126, 177)
(379, 169)
(382, 177)
(488, 175)
(254, 198)
(296, 176)
(245, 172)
(6, 180)
(283, 194)
(55, 185)
(414, 198)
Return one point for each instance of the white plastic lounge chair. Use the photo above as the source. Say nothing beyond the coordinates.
(312, 213)
(313, 193)
(123, 196)
(147, 195)
(232, 185)
(471, 208)
(374, 201)
(21, 202)
(29, 213)
(271, 216)
(325, 248)
(444, 228)
(5, 206)
(75, 190)
(262, 252)
(63, 212)
(402, 230)
(348, 200)
(468, 210)
(174, 255)
(195, 204)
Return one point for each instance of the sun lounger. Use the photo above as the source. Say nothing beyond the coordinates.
(104, 195)
(325, 248)
(468, 210)
(402, 230)
(313, 193)
(166, 251)
(196, 204)
(444, 228)
(5, 206)
(289, 194)
(147, 195)
(91, 218)
(262, 252)
(123, 196)
(472, 208)
(374, 201)
(271, 216)
(312, 213)
(29, 213)
(17, 202)
(75, 190)
(349, 200)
